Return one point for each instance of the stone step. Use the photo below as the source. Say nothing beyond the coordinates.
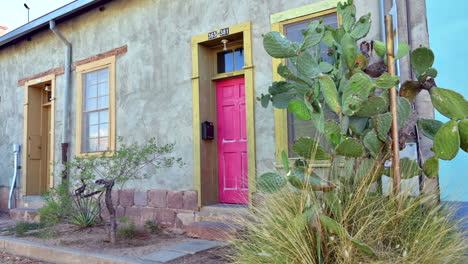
(24, 214)
(211, 230)
(32, 201)
(225, 213)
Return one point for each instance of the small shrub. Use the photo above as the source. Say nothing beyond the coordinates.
(85, 212)
(153, 226)
(57, 205)
(128, 229)
(21, 228)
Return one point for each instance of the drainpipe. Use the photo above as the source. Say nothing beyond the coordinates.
(16, 150)
(66, 96)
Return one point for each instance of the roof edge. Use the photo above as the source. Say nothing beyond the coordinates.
(43, 21)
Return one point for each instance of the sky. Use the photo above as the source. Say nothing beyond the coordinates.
(13, 13)
(447, 26)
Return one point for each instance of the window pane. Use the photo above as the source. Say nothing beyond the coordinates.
(92, 145)
(91, 104)
(103, 75)
(298, 128)
(239, 59)
(104, 116)
(103, 89)
(93, 118)
(103, 102)
(103, 130)
(91, 91)
(103, 144)
(225, 61)
(93, 131)
(90, 78)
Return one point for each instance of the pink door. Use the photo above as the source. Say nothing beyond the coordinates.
(232, 141)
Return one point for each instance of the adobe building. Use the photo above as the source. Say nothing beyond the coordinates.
(74, 80)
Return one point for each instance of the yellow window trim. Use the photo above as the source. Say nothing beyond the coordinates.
(248, 70)
(304, 11)
(278, 22)
(47, 78)
(80, 70)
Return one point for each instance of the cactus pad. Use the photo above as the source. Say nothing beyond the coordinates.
(362, 27)
(387, 81)
(307, 64)
(382, 124)
(449, 103)
(403, 111)
(431, 167)
(463, 131)
(350, 52)
(330, 93)
(299, 109)
(313, 35)
(410, 90)
(310, 149)
(350, 147)
(372, 143)
(270, 182)
(447, 141)
(429, 127)
(422, 59)
(372, 106)
(357, 125)
(282, 100)
(278, 46)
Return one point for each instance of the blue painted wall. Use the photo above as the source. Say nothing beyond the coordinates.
(448, 35)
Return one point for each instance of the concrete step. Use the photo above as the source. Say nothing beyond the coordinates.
(225, 213)
(211, 230)
(32, 201)
(24, 214)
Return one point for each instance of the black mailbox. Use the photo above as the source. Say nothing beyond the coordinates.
(207, 130)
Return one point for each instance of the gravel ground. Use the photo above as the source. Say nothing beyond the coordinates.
(6, 258)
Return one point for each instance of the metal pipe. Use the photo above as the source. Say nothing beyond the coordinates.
(382, 20)
(393, 105)
(66, 94)
(16, 150)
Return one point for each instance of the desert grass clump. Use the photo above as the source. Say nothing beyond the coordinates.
(395, 229)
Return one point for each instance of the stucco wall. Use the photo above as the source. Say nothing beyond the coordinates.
(153, 77)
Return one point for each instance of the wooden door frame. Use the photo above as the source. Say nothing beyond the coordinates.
(198, 74)
(49, 78)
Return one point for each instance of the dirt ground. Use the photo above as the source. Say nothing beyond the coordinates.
(6, 258)
(95, 239)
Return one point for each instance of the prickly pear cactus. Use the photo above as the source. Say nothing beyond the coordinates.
(314, 88)
(447, 141)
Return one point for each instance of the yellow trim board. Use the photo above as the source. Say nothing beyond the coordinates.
(279, 20)
(80, 70)
(29, 83)
(303, 10)
(246, 30)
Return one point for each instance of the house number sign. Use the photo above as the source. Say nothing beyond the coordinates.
(222, 32)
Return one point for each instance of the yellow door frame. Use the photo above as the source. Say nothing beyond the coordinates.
(25, 150)
(278, 21)
(246, 30)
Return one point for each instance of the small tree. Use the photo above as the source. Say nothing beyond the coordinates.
(99, 174)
